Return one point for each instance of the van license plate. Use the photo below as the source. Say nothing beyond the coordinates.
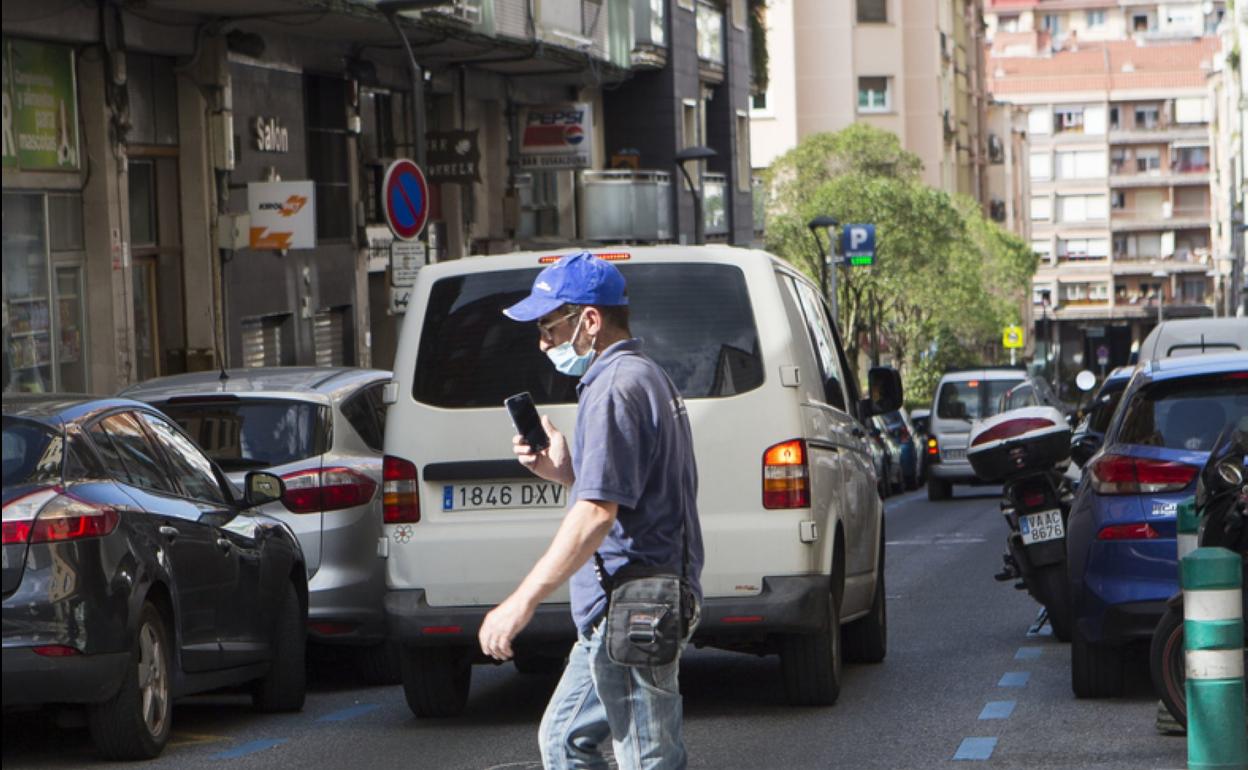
(499, 496)
(1039, 527)
(954, 454)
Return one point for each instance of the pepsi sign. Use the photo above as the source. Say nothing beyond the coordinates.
(556, 136)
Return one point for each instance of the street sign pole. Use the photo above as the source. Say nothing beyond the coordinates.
(830, 267)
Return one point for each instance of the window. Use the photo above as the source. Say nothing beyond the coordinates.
(1007, 22)
(1191, 109)
(690, 135)
(1083, 248)
(124, 444)
(1118, 160)
(758, 103)
(1147, 116)
(1117, 199)
(367, 414)
(1115, 121)
(1040, 121)
(1191, 159)
(1147, 159)
(696, 318)
(1081, 164)
(1051, 23)
(873, 94)
(1081, 208)
(1139, 22)
(253, 433)
(825, 345)
(1041, 208)
(739, 12)
(1041, 164)
(1043, 247)
(1187, 413)
(743, 171)
(1085, 292)
(1068, 120)
(27, 459)
(1096, 19)
(872, 11)
(152, 93)
(1193, 289)
(710, 28)
(325, 107)
(191, 468)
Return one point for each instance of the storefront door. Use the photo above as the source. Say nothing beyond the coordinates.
(156, 250)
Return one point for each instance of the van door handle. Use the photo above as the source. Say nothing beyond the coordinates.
(224, 544)
(170, 533)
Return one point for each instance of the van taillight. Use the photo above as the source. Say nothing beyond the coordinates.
(786, 476)
(326, 489)
(399, 491)
(1124, 475)
(52, 516)
(933, 448)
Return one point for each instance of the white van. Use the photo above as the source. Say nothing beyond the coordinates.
(792, 523)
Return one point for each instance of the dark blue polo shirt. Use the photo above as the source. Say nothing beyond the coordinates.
(633, 446)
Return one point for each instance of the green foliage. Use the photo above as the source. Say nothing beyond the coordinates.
(946, 278)
(759, 59)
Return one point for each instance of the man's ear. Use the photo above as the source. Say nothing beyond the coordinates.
(593, 321)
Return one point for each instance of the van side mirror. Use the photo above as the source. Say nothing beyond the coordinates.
(260, 488)
(884, 387)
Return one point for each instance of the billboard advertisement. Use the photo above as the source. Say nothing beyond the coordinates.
(556, 136)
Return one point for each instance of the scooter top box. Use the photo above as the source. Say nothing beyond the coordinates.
(1018, 442)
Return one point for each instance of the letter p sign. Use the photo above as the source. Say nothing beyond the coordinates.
(858, 244)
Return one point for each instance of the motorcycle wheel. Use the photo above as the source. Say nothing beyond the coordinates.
(1167, 663)
(1051, 584)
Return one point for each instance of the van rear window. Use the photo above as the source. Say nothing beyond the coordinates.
(695, 320)
(971, 399)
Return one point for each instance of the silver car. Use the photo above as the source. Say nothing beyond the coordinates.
(321, 430)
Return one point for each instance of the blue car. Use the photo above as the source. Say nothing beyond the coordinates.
(1121, 553)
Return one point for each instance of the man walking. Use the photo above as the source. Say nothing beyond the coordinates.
(633, 501)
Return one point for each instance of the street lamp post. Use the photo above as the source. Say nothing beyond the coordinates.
(682, 158)
(391, 9)
(827, 275)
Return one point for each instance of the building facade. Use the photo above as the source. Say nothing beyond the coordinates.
(907, 67)
(1119, 163)
(148, 144)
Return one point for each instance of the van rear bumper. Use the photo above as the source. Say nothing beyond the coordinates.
(794, 604)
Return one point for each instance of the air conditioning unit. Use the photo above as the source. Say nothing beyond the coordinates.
(466, 11)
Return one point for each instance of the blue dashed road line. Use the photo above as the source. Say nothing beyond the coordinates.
(350, 713)
(976, 748)
(997, 709)
(1027, 653)
(251, 747)
(1014, 679)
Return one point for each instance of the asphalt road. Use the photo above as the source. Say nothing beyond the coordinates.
(959, 653)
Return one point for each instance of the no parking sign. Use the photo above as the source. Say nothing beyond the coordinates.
(406, 197)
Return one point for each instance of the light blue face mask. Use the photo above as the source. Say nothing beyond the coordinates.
(567, 360)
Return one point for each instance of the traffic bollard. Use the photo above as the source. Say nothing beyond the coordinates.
(1213, 631)
(1188, 527)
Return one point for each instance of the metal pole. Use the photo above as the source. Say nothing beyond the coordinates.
(418, 92)
(875, 330)
(1213, 636)
(698, 235)
(829, 266)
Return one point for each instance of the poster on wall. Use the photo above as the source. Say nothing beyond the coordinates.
(556, 136)
(40, 106)
(283, 215)
(452, 157)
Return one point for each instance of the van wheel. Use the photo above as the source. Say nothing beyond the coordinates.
(811, 663)
(284, 687)
(380, 663)
(436, 680)
(135, 722)
(866, 639)
(1096, 670)
(939, 489)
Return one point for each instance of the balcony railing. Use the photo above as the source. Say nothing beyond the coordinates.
(715, 204)
(626, 206)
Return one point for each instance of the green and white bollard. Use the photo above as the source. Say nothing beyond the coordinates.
(1213, 630)
(1188, 527)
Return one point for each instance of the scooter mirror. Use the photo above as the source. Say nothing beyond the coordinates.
(1085, 380)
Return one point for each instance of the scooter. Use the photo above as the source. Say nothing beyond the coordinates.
(1222, 507)
(1027, 450)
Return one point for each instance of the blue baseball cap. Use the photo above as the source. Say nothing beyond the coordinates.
(576, 279)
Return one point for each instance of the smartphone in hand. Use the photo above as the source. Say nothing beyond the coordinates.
(524, 416)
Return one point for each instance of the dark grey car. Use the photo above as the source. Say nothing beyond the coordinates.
(320, 429)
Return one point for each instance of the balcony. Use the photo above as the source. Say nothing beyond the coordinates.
(626, 206)
(1136, 220)
(1162, 131)
(715, 204)
(649, 34)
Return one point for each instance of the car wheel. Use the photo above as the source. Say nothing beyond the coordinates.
(135, 722)
(811, 663)
(1096, 670)
(436, 680)
(1168, 664)
(380, 663)
(939, 489)
(284, 687)
(866, 639)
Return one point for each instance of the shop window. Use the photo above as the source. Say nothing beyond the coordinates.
(268, 341)
(873, 94)
(325, 103)
(872, 11)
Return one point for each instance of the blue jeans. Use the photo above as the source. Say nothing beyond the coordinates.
(637, 708)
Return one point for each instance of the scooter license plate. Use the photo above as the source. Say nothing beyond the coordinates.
(1041, 527)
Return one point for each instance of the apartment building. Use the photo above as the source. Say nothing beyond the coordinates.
(912, 68)
(1119, 164)
(1229, 184)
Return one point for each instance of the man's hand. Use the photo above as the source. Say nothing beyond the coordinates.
(501, 626)
(553, 463)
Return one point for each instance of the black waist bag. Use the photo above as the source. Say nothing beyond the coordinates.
(648, 614)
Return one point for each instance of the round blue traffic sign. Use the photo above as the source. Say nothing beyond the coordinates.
(406, 196)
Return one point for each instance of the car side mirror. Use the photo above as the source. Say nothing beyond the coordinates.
(884, 387)
(1082, 449)
(261, 488)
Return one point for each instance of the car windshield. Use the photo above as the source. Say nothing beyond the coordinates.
(695, 320)
(32, 452)
(246, 434)
(1186, 413)
(971, 399)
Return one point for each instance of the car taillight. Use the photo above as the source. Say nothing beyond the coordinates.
(933, 448)
(56, 650)
(399, 491)
(51, 515)
(1123, 475)
(786, 477)
(326, 489)
(1033, 498)
(1128, 532)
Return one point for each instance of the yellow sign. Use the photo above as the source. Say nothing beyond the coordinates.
(1012, 337)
